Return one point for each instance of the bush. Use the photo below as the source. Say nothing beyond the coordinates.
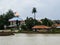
(23, 27)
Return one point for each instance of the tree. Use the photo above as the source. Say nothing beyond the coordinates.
(30, 23)
(5, 17)
(57, 21)
(47, 22)
(2, 21)
(8, 15)
(34, 11)
(23, 27)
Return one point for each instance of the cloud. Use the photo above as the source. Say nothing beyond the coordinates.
(45, 8)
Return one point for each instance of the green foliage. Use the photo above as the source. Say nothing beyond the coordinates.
(5, 17)
(30, 22)
(47, 22)
(57, 21)
(8, 16)
(12, 29)
(23, 27)
(34, 10)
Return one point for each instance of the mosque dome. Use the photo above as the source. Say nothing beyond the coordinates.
(16, 14)
(16, 17)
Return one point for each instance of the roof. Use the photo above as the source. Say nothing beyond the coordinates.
(15, 18)
(40, 27)
(58, 26)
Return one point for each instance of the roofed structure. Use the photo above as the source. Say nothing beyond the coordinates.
(15, 18)
(41, 27)
(15, 21)
(58, 26)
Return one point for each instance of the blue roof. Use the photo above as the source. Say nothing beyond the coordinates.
(15, 18)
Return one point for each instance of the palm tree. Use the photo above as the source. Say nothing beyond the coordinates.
(34, 11)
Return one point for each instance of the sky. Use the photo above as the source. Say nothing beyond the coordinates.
(45, 8)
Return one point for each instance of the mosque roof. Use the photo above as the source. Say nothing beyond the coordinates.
(15, 18)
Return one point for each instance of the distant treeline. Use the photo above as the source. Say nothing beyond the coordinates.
(29, 22)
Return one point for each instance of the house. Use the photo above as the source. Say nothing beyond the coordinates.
(58, 26)
(40, 28)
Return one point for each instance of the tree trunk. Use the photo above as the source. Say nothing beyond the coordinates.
(34, 18)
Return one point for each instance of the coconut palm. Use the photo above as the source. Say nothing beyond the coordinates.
(34, 11)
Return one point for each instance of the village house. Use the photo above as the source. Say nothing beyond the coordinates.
(40, 28)
(58, 26)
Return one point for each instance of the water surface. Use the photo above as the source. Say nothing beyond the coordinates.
(31, 39)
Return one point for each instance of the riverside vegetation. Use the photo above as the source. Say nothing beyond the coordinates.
(29, 23)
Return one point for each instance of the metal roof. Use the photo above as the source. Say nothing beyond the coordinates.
(15, 18)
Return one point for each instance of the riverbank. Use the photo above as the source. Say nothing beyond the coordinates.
(12, 32)
(6, 33)
(33, 32)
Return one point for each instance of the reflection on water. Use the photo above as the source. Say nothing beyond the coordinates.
(31, 39)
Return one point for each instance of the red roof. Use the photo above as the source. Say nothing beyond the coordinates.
(58, 25)
(40, 27)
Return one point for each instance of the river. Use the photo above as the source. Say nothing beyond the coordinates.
(30, 39)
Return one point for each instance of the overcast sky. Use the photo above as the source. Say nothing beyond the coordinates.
(45, 8)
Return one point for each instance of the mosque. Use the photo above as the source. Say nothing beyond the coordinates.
(15, 19)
